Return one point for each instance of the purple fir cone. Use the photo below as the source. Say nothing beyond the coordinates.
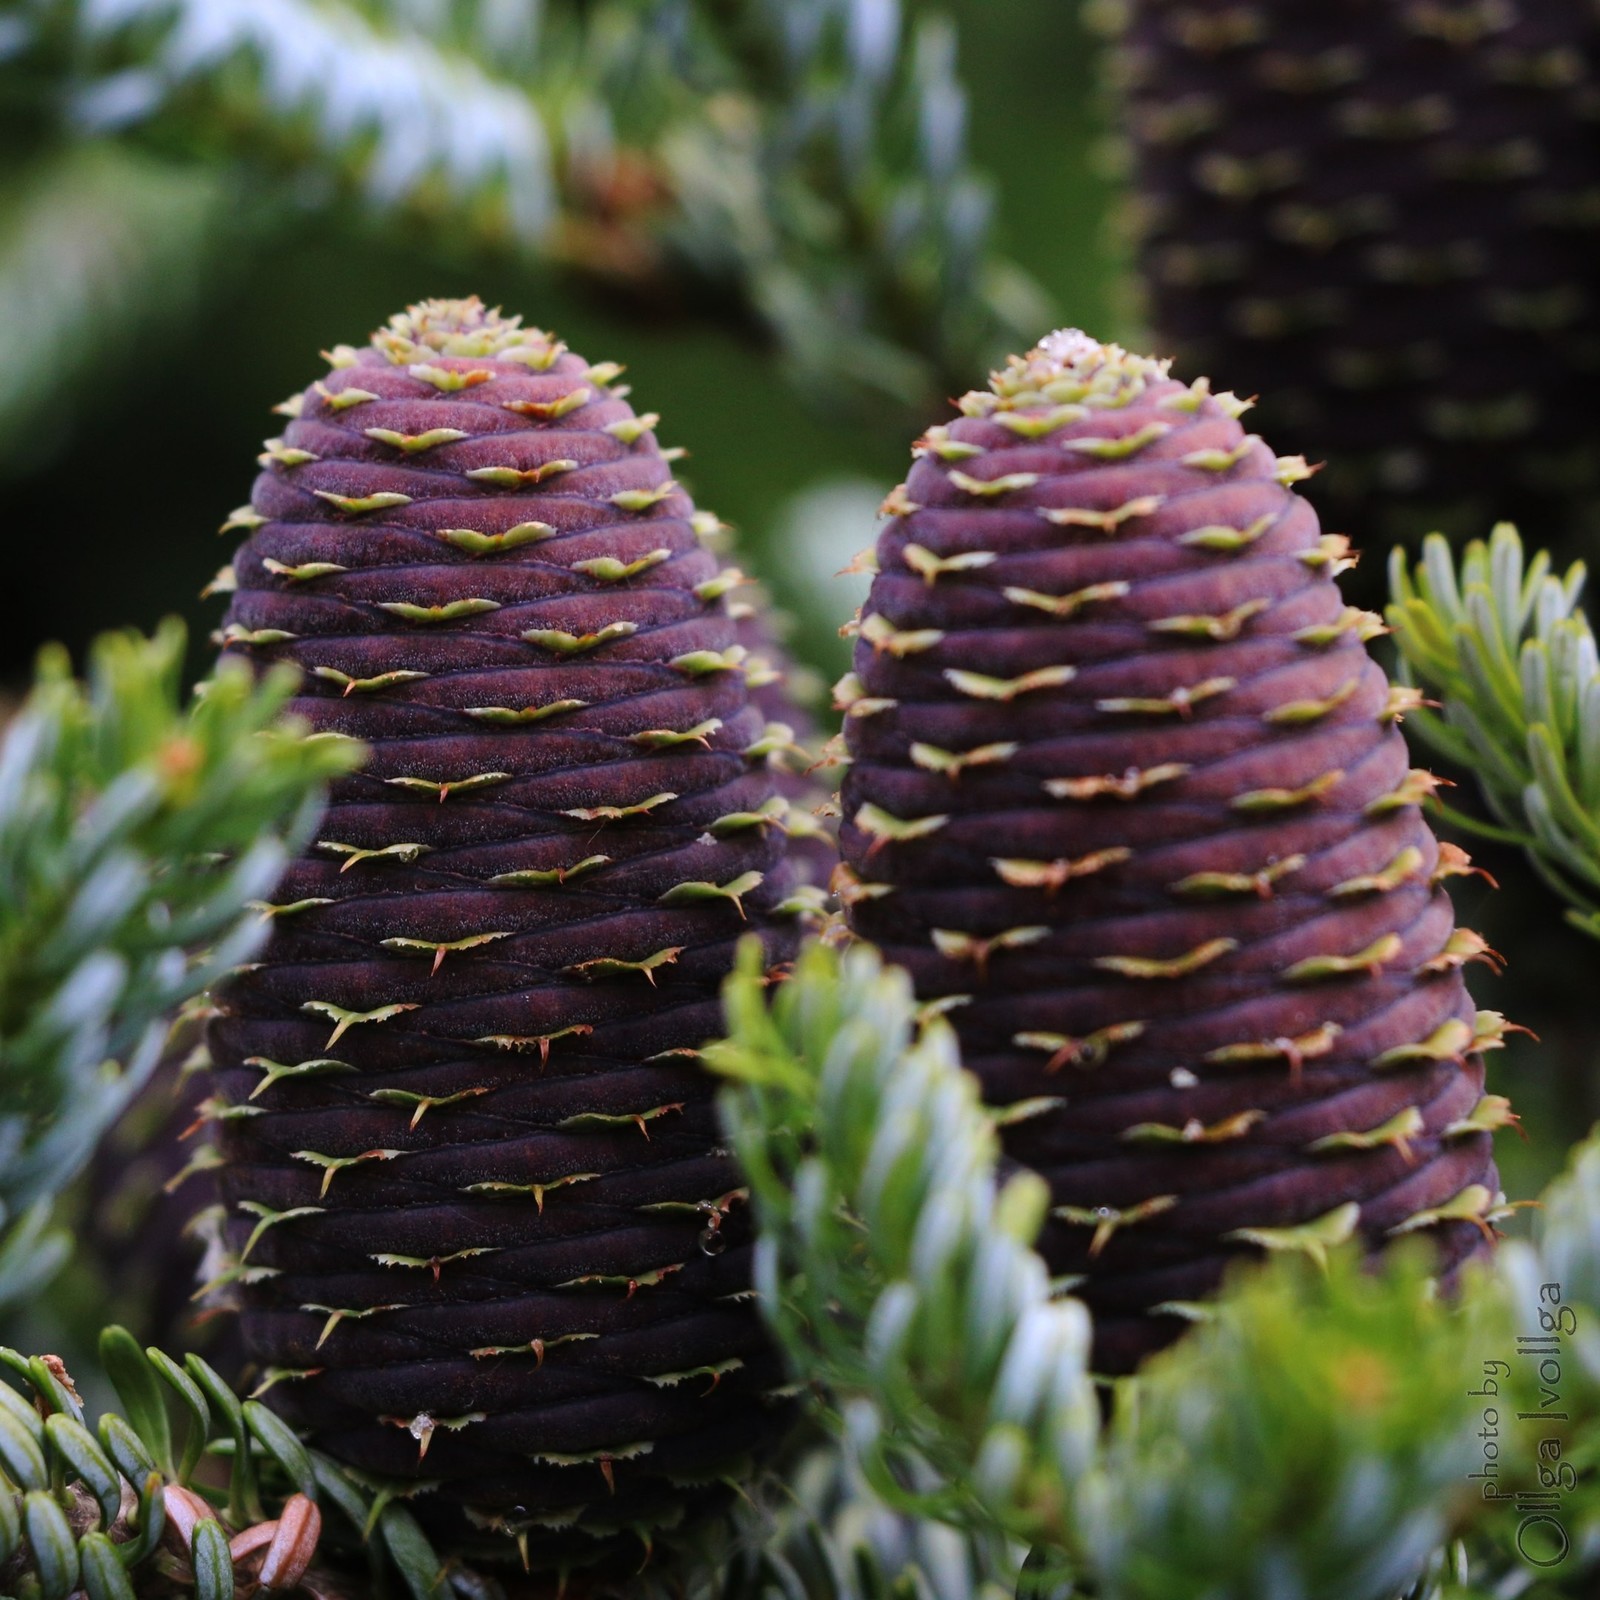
(1128, 796)
(485, 1230)
(1382, 217)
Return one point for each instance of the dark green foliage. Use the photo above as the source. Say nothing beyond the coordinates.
(134, 830)
(1128, 795)
(487, 1240)
(899, 1266)
(1510, 656)
(187, 1492)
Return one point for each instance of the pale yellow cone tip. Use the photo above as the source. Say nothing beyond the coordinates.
(440, 318)
(463, 327)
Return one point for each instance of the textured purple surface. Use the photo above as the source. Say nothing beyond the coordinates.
(1122, 766)
(513, 1255)
(1381, 216)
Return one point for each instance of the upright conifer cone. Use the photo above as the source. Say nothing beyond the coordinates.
(1128, 796)
(1383, 217)
(487, 1235)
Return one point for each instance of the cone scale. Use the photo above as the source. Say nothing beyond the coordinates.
(1128, 797)
(485, 1233)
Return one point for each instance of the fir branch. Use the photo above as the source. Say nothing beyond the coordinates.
(1551, 1398)
(188, 1491)
(828, 1537)
(895, 1269)
(1511, 660)
(1311, 1438)
(404, 116)
(134, 832)
(832, 180)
